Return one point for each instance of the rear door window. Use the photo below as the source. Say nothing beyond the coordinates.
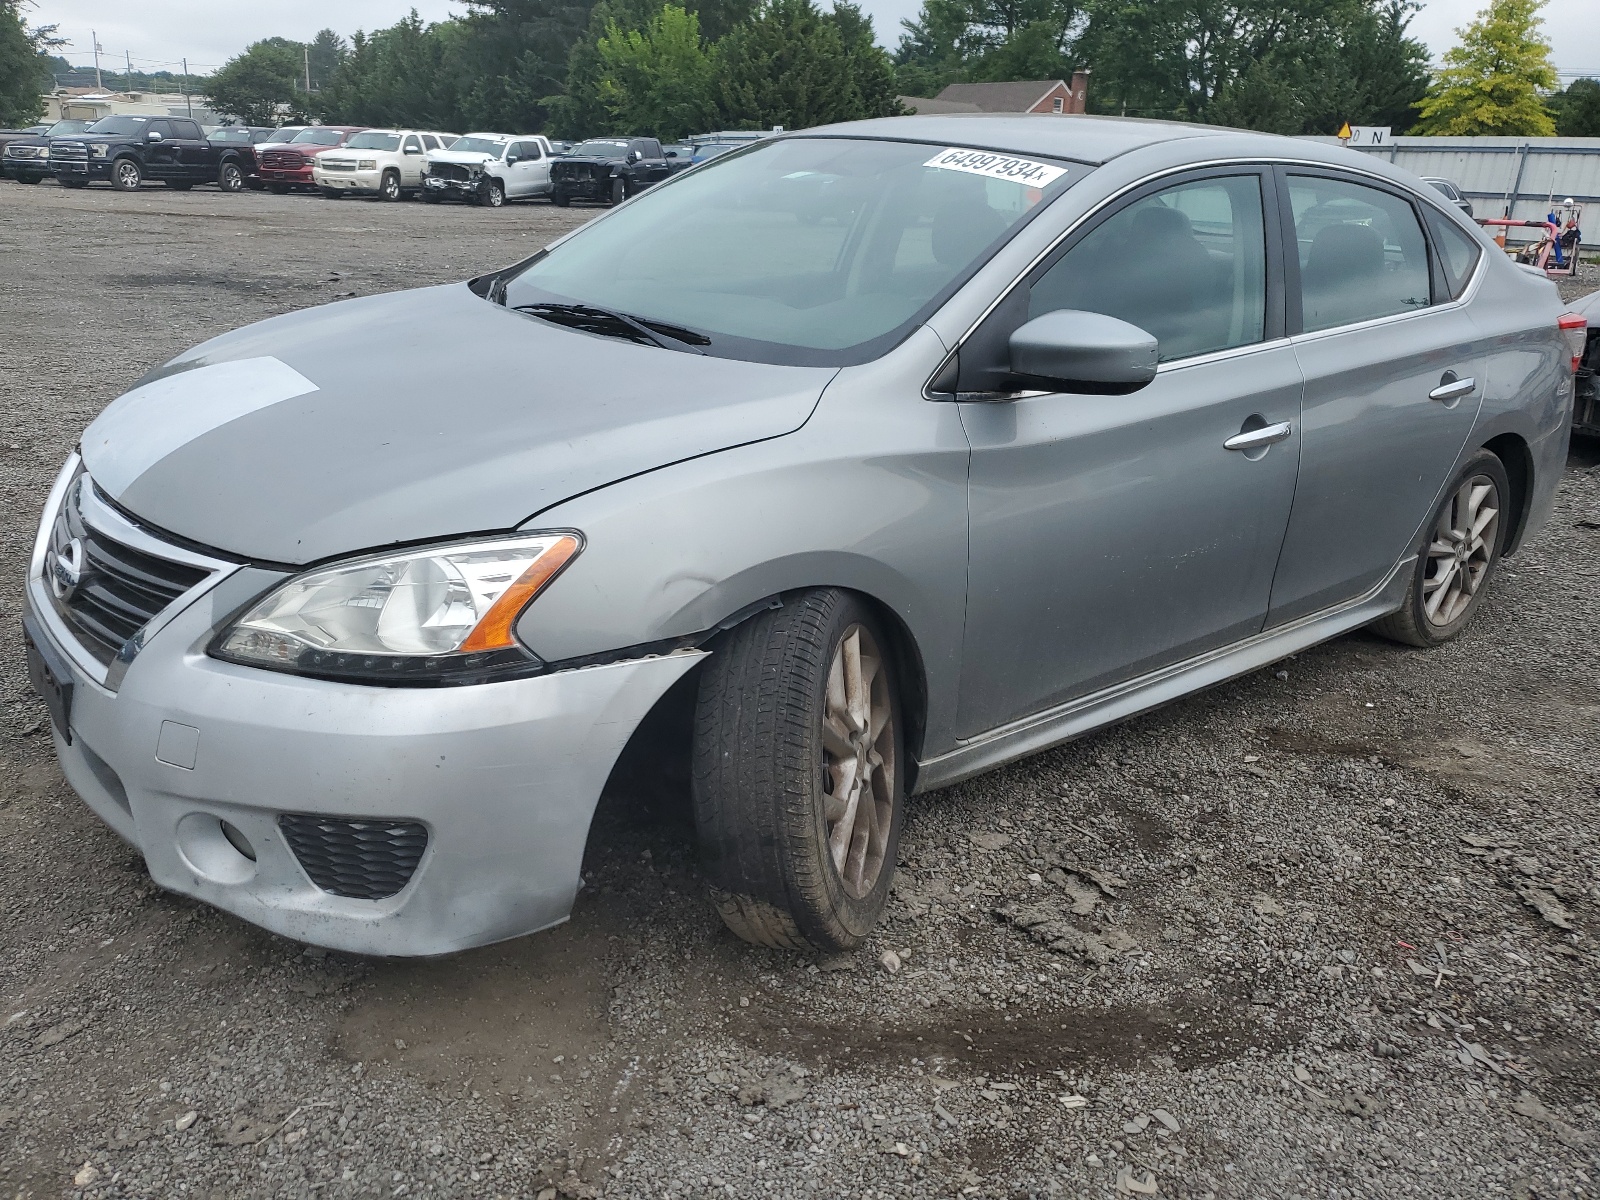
(1361, 251)
(1187, 264)
(429, 142)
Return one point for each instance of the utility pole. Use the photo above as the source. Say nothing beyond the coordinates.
(128, 59)
(307, 49)
(95, 37)
(187, 102)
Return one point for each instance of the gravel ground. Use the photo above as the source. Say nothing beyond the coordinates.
(1327, 931)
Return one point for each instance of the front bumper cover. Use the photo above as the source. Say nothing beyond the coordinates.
(504, 776)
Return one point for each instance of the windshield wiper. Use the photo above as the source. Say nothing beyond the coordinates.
(607, 322)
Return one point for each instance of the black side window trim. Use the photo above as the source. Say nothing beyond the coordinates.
(1438, 289)
(1006, 314)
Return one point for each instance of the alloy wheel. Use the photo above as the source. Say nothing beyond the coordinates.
(127, 175)
(858, 751)
(1461, 550)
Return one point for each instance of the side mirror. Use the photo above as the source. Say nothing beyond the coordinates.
(634, 156)
(412, 150)
(154, 136)
(672, 154)
(512, 160)
(1084, 352)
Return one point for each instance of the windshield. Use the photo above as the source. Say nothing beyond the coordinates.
(372, 139)
(706, 153)
(61, 128)
(812, 250)
(472, 145)
(119, 125)
(228, 135)
(282, 135)
(318, 137)
(599, 150)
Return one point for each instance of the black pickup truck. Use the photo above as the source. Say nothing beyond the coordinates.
(125, 151)
(608, 169)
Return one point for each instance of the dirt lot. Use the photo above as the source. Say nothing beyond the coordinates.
(1327, 931)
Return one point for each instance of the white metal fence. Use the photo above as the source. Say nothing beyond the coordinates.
(1507, 176)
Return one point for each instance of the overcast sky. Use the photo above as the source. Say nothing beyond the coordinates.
(161, 32)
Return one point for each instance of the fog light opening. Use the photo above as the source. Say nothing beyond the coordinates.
(238, 841)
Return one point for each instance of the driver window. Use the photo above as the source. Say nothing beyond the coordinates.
(530, 152)
(430, 142)
(1187, 264)
(411, 143)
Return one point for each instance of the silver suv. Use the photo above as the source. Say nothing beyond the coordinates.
(895, 451)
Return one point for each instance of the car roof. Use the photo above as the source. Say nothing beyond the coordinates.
(1093, 140)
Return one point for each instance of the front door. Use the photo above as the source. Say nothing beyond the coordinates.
(1395, 372)
(160, 157)
(1112, 535)
(530, 175)
(411, 162)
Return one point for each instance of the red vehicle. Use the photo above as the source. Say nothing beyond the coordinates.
(289, 166)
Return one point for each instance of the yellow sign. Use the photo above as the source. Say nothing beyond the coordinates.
(1344, 132)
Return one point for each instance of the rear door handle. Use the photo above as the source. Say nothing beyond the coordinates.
(1453, 389)
(1255, 439)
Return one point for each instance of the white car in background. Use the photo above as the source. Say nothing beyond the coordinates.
(489, 168)
(386, 163)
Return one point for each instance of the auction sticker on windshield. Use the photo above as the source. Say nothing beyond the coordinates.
(997, 166)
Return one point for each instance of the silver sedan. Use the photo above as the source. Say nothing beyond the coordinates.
(884, 453)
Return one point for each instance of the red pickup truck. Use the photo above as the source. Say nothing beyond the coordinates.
(289, 166)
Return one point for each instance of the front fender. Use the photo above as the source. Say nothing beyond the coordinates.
(869, 495)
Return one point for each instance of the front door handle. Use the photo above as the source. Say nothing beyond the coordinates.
(1259, 439)
(1451, 389)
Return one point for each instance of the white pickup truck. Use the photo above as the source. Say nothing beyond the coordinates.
(386, 163)
(490, 168)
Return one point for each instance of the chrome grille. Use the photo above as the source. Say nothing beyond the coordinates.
(283, 160)
(335, 165)
(104, 590)
(69, 151)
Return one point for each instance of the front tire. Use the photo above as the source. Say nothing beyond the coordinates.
(560, 199)
(619, 191)
(1457, 557)
(126, 175)
(389, 189)
(798, 787)
(494, 196)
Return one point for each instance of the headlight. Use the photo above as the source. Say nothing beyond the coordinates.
(440, 615)
(367, 164)
(98, 149)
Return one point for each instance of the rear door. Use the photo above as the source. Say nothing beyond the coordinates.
(1395, 371)
(1115, 535)
(652, 166)
(196, 157)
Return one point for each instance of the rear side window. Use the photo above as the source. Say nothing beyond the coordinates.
(1187, 264)
(187, 129)
(1458, 251)
(1362, 253)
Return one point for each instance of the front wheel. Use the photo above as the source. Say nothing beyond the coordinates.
(798, 787)
(619, 191)
(230, 178)
(1457, 556)
(126, 176)
(389, 189)
(494, 196)
(560, 199)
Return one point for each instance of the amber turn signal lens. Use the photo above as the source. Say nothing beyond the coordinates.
(494, 631)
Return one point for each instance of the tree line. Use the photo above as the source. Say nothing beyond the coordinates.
(579, 68)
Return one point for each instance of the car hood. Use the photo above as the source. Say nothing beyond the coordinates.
(414, 416)
(467, 158)
(1588, 306)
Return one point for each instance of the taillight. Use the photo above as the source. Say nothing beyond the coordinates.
(1576, 328)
